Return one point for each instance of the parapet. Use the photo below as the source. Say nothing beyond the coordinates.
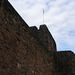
(44, 35)
(34, 31)
(64, 63)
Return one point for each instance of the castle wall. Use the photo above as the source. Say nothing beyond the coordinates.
(64, 63)
(44, 36)
(20, 53)
(23, 52)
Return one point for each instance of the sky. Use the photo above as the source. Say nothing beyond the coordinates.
(59, 16)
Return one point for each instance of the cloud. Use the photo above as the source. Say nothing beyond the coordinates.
(59, 17)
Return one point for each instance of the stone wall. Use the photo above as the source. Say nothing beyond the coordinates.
(23, 50)
(44, 36)
(64, 63)
(20, 53)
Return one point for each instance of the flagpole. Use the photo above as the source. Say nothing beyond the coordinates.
(43, 16)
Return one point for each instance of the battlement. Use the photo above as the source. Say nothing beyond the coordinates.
(44, 35)
(34, 31)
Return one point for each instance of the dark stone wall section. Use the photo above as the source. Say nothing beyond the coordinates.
(46, 37)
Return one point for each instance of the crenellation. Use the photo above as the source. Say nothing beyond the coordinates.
(34, 31)
(46, 37)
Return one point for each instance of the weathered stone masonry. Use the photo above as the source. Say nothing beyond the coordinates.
(27, 50)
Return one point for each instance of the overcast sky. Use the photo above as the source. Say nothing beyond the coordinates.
(59, 16)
